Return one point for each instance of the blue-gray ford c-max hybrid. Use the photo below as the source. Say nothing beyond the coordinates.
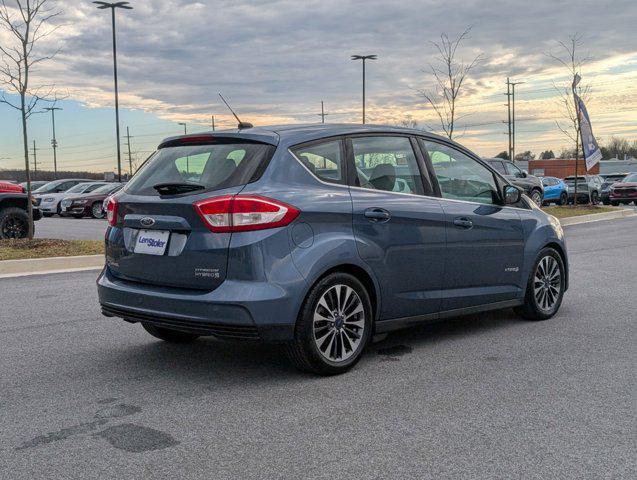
(319, 236)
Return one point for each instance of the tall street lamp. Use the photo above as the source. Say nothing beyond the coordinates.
(113, 6)
(364, 58)
(54, 142)
(185, 129)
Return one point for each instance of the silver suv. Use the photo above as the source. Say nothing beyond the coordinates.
(589, 188)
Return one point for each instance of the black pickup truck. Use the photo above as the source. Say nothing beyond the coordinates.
(14, 219)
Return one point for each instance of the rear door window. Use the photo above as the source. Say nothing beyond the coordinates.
(221, 165)
(498, 167)
(387, 163)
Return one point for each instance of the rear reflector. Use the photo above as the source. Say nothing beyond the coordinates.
(242, 213)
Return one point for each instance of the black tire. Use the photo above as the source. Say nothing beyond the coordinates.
(59, 210)
(536, 196)
(531, 309)
(563, 199)
(14, 223)
(97, 206)
(168, 335)
(303, 351)
(595, 198)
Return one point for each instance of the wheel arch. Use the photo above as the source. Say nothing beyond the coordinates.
(562, 253)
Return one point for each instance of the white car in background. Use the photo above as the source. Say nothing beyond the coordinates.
(49, 196)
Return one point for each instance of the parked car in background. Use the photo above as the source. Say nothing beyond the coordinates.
(609, 180)
(555, 191)
(589, 188)
(88, 204)
(49, 196)
(34, 185)
(624, 191)
(14, 217)
(531, 185)
(304, 235)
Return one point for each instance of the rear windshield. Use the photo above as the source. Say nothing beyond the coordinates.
(222, 165)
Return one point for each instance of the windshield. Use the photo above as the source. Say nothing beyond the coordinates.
(630, 178)
(78, 188)
(105, 188)
(47, 187)
(222, 165)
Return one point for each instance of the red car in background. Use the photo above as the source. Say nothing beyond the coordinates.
(88, 204)
(8, 187)
(624, 191)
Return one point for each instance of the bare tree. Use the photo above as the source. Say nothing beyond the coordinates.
(568, 55)
(450, 75)
(26, 23)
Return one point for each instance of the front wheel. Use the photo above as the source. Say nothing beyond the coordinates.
(333, 327)
(97, 211)
(536, 196)
(14, 223)
(545, 287)
(168, 335)
(595, 198)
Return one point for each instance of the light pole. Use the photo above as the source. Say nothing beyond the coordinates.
(54, 142)
(113, 6)
(185, 128)
(364, 58)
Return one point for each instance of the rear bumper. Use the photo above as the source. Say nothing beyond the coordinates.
(235, 310)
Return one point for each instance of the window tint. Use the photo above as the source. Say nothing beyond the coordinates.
(220, 165)
(95, 186)
(325, 160)
(546, 182)
(387, 163)
(461, 177)
(512, 169)
(498, 167)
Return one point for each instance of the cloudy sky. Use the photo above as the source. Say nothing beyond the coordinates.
(276, 60)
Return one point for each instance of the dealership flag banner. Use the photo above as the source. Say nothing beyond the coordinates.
(592, 154)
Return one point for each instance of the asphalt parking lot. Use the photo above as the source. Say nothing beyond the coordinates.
(67, 228)
(488, 396)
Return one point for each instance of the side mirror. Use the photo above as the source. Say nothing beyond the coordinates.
(525, 173)
(511, 194)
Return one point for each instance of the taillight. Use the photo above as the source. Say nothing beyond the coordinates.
(111, 211)
(243, 213)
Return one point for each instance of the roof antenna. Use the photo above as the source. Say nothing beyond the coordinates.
(242, 125)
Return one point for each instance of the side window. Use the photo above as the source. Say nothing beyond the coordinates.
(513, 170)
(498, 167)
(92, 187)
(325, 160)
(461, 177)
(387, 163)
(546, 182)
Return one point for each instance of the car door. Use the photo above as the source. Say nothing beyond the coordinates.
(485, 241)
(551, 188)
(398, 223)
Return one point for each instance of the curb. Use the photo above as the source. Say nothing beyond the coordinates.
(43, 266)
(596, 217)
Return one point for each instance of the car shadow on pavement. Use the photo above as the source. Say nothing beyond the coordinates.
(208, 360)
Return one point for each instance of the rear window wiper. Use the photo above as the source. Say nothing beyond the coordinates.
(177, 188)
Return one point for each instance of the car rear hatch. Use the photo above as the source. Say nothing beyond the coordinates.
(158, 236)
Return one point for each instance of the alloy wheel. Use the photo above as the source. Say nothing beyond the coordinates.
(547, 283)
(97, 211)
(338, 323)
(14, 227)
(536, 197)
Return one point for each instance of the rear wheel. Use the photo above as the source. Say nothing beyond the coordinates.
(14, 223)
(563, 199)
(168, 335)
(545, 287)
(333, 327)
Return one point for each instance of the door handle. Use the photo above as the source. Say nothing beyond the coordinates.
(379, 215)
(463, 222)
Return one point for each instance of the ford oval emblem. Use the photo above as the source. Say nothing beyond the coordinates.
(147, 221)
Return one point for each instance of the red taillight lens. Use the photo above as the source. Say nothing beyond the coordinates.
(243, 213)
(111, 211)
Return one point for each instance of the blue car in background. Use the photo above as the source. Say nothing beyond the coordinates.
(555, 191)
